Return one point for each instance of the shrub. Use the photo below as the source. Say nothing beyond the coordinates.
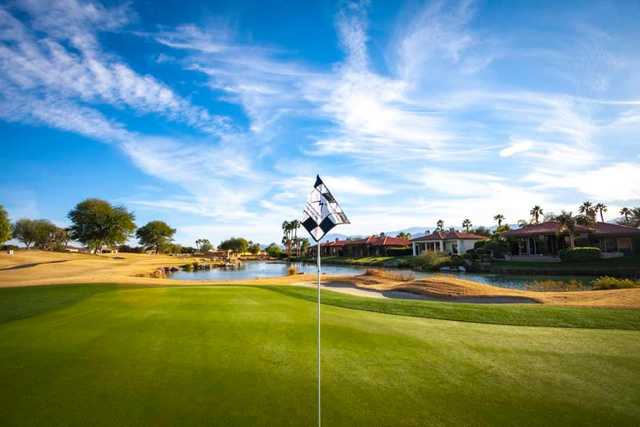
(581, 254)
(291, 270)
(399, 251)
(555, 285)
(606, 282)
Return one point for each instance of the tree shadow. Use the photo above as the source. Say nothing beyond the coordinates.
(26, 302)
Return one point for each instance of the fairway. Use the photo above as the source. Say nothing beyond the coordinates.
(109, 355)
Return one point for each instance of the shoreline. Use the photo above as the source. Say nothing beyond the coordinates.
(39, 268)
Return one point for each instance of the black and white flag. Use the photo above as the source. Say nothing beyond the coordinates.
(322, 211)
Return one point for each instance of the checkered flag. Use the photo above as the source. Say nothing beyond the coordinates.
(322, 211)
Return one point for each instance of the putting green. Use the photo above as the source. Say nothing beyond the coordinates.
(106, 355)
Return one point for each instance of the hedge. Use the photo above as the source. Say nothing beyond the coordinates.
(399, 251)
(580, 254)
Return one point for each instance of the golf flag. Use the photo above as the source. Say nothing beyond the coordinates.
(322, 211)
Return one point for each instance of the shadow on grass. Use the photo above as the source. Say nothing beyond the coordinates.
(22, 303)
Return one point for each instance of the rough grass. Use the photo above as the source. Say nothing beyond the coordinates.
(391, 275)
(235, 356)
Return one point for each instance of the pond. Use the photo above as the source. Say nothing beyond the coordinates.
(262, 269)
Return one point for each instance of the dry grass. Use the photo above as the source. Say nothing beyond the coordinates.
(555, 286)
(390, 275)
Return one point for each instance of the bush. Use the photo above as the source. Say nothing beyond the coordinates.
(581, 254)
(399, 251)
(606, 282)
(291, 270)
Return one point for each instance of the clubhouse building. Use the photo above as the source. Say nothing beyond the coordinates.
(547, 239)
(449, 242)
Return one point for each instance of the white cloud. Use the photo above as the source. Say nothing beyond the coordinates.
(616, 182)
(43, 66)
(516, 147)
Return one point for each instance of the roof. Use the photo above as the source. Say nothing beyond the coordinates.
(606, 229)
(450, 235)
(551, 227)
(370, 241)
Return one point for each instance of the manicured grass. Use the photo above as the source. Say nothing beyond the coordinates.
(501, 314)
(108, 355)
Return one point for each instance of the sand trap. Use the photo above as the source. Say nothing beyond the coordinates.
(351, 289)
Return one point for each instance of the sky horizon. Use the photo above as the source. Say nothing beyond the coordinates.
(216, 116)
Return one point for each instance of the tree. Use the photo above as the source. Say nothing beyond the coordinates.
(440, 225)
(403, 235)
(96, 223)
(203, 245)
(523, 223)
(295, 225)
(587, 209)
(601, 208)
(254, 248)
(155, 234)
(568, 225)
(24, 230)
(626, 213)
(466, 224)
(482, 231)
(235, 244)
(536, 212)
(499, 218)
(286, 238)
(44, 233)
(304, 245)
(5, 226)
(60, 239)
(274, 250)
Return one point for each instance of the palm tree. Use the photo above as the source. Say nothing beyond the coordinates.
(626, 212)
(295, 224)
(499, 218)
(404, 235)
(568, 225)
(587, 209)
(440, 225)
(601, 208)
(466, 224)
(286, 238)
(536, 212)
(635, 218)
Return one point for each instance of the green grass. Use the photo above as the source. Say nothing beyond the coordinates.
(108, 355)
(501, 314)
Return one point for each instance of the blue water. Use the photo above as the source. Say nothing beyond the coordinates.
(262, 269)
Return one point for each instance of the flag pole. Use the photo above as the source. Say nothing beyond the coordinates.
(319, 383)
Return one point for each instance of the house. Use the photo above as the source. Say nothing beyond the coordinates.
(450, 242)
(547, 239)
(357, 248)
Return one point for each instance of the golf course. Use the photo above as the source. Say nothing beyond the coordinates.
(105, 354)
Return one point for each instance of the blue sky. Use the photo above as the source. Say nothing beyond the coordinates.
(216, 116)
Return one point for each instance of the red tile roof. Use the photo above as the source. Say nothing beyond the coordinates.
(450, 235)
(370, 241)
(606, 229)
(548, 228)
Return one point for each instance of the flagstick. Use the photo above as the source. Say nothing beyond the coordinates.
(319, 387)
